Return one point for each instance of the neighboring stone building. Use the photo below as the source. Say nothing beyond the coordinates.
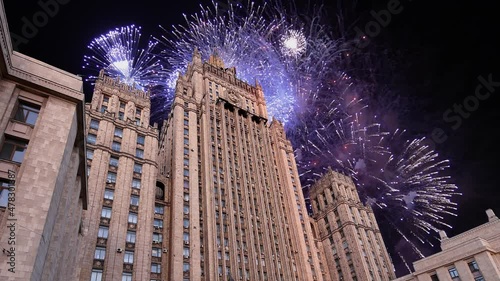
(470, 256)
(43, 184)
(348, 231)
(234, 198)
(120, 230)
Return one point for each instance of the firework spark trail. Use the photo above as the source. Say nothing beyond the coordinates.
(118, 53)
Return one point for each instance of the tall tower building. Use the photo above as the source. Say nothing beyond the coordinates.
(235, 205)
(43, 183)
(350, 237)
(121, 156)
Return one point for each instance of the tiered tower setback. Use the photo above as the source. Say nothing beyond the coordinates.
(121, 155)
(349, 234)
(235, 202)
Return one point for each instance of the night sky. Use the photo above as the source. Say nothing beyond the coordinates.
(440, 48)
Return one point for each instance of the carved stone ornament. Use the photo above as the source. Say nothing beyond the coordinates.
(233, 98)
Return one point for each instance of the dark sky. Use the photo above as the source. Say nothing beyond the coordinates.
(442, 46)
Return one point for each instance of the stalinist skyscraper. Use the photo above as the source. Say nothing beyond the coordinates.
(234, 204)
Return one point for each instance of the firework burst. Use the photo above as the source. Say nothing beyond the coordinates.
(118, 52)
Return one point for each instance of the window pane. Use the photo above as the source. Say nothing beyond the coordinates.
(96, 275)
(118, 132)
(103, 232)
(100, 253)
(111, 178)
(158, 209)
(13, 150)
(106, 212)
(130, 236)
(108, 194)
(132, 218)
(113, 161)
(140, 139)
(91, 138)
(136, 183)
(156, 252)
(139, 153)
(116, 146)
(134, 200)
(128, 257)
(94, 124)
(138, 168)
(27, 112)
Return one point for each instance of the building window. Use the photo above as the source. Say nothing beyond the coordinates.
(113, 161)
(94, 124)
(130, 237)
(127, 277)
(479, 278)
(137, 111)
(27, 113)
(132, 218)
(186, 223)
(139, 153)
(13, 150)
(185, 267)
(105, 99)
(159, 209)
(90, 154)
(104, 109)
(122, 105)
(103, 232)
(158, 223)
(453, 272)
(111, 177)
(186, 132)
(434, 277)
(136, 183)
(134, 200)
(138, 168)
(91, 138)
(106, 212)
(108, 194)
(118, 132)
(100, 253)
(116, 146)
(157, 237)
(185, 237)
(141, 139)
(4, 193)
(128, 257)
(186, 209)
(473, 266)
(121, 115)
(155, 268)
(96, 275)
(185, 252)
(186, 172)
(138, 121)
(156, 252)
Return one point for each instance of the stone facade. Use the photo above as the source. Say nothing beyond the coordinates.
(122, 150)
(234, 200)
(42, 166)
(348, 231)
(470, 256)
